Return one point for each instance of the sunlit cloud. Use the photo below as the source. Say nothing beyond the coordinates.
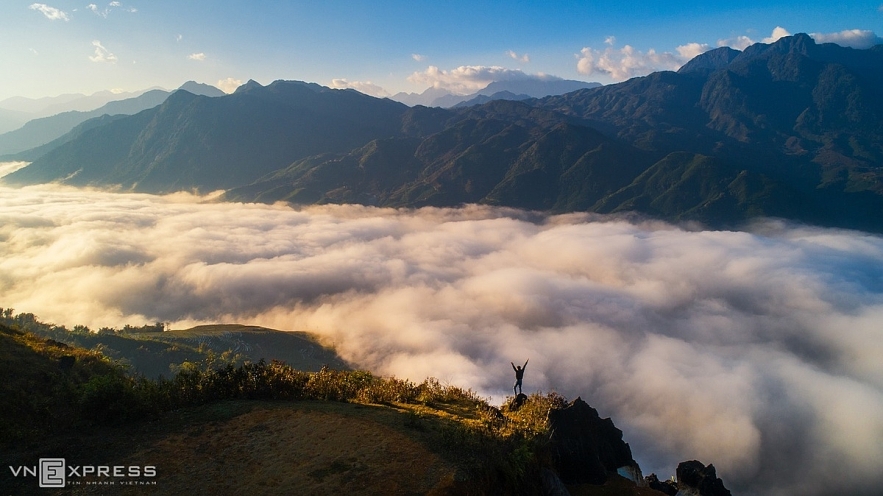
(51, 13)
(418, 57)
(738, 43)
(102, 54)
(626, 62)
(468, 79)
(196, 56)
(758, 351)
(106, 11)
(228, 85)
(524, 58)
(854, 38)
(366, 87)
(691, 50)
(778, 33)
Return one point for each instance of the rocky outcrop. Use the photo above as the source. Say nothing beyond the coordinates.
(696, 479)
(668, 487)
(586, 448)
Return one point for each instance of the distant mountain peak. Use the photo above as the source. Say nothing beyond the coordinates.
(710, 61)
(249, 86)
(201, 89)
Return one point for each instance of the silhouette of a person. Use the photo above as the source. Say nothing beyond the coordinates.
(519, 374)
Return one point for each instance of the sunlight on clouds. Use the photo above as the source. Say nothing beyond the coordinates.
(10, 167)
(855, 38)
(196, 56)
(759, 351)
(778, 33)
(102, 54)
(691, 50)
(366, 87)
(51, 13)
(626, 62)
(228, 85)
(520, 58)
(418, 57)
(468, 79)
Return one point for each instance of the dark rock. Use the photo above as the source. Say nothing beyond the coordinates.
(585, 447)
(552, 485)
(668, 487)
(695, 479)
(517, 402)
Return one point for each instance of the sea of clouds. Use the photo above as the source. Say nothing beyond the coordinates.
(760, 351)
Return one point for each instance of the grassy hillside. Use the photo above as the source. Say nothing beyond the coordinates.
(264, 428)
(149, 351)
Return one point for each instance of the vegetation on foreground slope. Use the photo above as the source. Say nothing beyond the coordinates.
(58, 393)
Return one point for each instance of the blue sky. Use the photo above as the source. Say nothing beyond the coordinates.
(74, 46)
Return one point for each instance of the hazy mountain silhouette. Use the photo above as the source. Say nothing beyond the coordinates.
(40, 131)
(790, 129)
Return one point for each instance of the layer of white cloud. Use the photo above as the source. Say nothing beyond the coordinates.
(197, 56)
(418, 57)
(102, 54)
(228, 85)
(51, 13)
(626, 62)
(524, 58)
(855, 38)
(758, 351)
(366, 87)
(468, 79)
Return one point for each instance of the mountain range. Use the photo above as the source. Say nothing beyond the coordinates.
(513, 89)
(39, 131)
(790, 129)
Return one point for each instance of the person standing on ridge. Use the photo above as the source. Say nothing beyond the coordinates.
(519, 374)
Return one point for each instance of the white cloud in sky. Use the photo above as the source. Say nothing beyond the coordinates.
(778, 33)
(102, 54)
(366, 87)
(524, 58)
(179, 37)
(197, 56)
(855, 38)
(691, 50)
(51, 13)
(626, 62)
(742, 42)
(468, 79)
(758, 351)
(418, 57)
(228, 85)
(739, 42)
(106, 11)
